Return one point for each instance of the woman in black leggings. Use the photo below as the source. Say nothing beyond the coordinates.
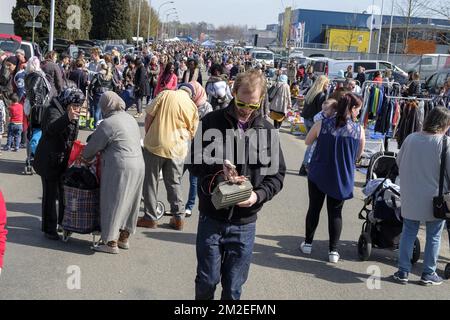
(340, 142)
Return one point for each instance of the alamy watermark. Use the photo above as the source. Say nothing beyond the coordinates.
(73, 22)
(374, 281)
(74, 280)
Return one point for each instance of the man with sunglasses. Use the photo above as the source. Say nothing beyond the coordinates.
(225, 237)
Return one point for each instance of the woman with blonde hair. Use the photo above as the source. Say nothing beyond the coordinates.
(314, 99)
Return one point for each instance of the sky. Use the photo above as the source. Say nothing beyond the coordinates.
(254, 13)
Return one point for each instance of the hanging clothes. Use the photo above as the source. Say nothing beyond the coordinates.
(411, 120)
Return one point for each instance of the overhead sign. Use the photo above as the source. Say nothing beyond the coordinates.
(37, 25)
(34, 10)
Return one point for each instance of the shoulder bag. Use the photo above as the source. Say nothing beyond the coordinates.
(440, 207)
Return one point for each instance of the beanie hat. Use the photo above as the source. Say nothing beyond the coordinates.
(13, 60)
(283, 78)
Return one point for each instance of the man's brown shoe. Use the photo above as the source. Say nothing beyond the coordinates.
(176, 223)
(147, 223)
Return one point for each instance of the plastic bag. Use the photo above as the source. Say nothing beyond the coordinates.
(76, 151)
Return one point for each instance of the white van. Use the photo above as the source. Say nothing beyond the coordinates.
(428, 64)
(265, 57)
(334, 66)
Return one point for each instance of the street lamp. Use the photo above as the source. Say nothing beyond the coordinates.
(167, 18)
(149, 19)
(139, 23)
(390, 31)
(171, 10)
(163, 4)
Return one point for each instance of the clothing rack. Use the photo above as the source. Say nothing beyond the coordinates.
(409, 98)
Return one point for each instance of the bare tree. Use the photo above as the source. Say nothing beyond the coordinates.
(409, 9)
(441, 8)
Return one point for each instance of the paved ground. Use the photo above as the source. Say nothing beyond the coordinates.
(161, 263)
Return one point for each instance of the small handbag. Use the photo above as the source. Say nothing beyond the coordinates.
(277, 116)
(440, 207)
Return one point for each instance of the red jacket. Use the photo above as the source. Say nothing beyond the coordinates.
(16, 112)
(3, 231)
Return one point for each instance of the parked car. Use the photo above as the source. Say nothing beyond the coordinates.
(264, 57)
(31, 50)
(435, 83)
(428, 64)
(109, 47)
(9, 44)
(398, 76)
(334, 66)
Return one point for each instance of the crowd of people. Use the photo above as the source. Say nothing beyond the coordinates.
(167, 83)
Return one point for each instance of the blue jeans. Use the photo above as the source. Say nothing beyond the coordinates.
(97, 111)
(14, 135)
(224, 253)
(192, 192)
(433, 244)
(309, 123)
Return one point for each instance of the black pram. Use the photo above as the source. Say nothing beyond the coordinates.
(383, 223)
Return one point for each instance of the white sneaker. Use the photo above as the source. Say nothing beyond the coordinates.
(188, 213)
(334, 256)
(306, 248)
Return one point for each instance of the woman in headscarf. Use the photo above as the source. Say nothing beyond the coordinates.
(280, 101)
(38, 91)
(59, 131)
(117, 139)
(203, 107)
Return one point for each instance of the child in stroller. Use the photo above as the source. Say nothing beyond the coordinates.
(383, 223)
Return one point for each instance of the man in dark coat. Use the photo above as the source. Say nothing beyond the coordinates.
(53, 73)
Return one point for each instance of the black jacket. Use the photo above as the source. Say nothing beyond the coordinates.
(310, 110)
(100, 85)
(58, 136)
(38, 93)
(361, 77)
(141, 82)
(80, 77)
(265, 186)
(54, 76)
(414, 89)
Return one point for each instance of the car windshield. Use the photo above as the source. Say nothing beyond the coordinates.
(9, 45)
(110, 47)
(264, 55)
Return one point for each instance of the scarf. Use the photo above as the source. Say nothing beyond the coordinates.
(110, 103)
(200, 94)
(188, 75)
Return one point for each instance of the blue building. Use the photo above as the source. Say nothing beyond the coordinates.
(317, 22)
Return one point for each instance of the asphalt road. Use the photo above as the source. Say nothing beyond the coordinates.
(161, 263)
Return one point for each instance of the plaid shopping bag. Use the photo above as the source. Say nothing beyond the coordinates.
(82, 210)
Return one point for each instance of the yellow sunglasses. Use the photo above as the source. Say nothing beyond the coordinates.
(251, 106)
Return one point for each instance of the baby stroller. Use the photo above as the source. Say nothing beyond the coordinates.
(383, 223)
(33, 137)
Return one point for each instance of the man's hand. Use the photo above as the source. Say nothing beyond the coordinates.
(250, 202)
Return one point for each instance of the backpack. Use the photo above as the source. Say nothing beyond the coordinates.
(272, 92)
(37, 111)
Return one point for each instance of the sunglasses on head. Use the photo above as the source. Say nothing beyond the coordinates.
(251, 106)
